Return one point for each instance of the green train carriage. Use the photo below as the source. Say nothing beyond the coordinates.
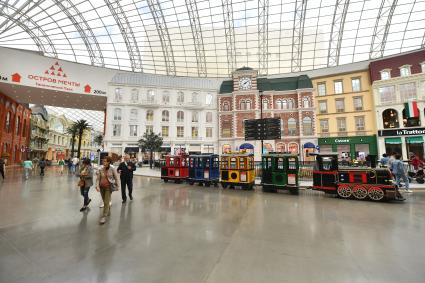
(280, 172)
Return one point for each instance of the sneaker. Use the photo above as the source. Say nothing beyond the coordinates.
(409, 191)
(131, 197)
(102, 220)
(101, 205)
(83, 208)
(124, 201)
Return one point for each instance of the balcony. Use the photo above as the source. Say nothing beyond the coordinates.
(151, 103)
(193, 105)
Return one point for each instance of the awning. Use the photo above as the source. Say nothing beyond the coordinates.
(131, 150)
(309, 145)
(418, 139)
(393, 140)
(246, 146)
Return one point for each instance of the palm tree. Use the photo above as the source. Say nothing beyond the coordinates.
(81, 126)
(98, 140)
(151, 142)
(72, 131)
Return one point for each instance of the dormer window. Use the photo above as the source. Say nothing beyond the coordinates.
(405, 71)
(385, 74)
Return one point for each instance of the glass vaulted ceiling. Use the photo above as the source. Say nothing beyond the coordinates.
(212, 38)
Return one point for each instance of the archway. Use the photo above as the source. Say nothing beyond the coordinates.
(390, 118)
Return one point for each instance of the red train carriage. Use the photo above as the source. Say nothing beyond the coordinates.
(353, 182)
(175, 167)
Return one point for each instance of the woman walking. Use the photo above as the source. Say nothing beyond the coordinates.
(61, 165)
(86, 181)
(107, 181)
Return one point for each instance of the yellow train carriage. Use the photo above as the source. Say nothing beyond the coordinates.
(237, 169)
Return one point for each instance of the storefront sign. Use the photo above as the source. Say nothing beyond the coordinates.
(342, 140)
(401, 132)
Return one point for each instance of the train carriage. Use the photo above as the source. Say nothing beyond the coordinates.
(175, 167)
(353, 182)
(280, 171)
(237, 169)
(204, 169)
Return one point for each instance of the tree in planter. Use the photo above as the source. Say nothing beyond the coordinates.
(98, 140)
(152, 143)
(81, 126)
(72, 131)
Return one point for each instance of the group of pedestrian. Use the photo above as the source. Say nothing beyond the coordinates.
(108, 180)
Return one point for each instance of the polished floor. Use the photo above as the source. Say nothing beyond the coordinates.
(179, 233)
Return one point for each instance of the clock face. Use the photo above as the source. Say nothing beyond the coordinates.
(245, 83)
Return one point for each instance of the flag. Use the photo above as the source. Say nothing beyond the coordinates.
(411, 108)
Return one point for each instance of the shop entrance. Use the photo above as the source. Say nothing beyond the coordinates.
(393, 145)
(415, 145)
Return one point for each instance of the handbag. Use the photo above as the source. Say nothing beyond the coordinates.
(81, 183)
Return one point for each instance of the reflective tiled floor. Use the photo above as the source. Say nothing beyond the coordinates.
(179, 233)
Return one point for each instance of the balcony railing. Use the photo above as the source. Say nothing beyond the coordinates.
(150, 103)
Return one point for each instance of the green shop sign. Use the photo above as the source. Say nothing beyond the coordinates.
(352, 141)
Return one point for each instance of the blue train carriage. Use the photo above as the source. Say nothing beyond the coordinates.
(237, 170)
(280, 172)
(204, 169)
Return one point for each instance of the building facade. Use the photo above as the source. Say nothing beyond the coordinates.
(15, 130)
(59, 143)
(345, 114)
(182, 110)
(399, 90)
(290, 99)
(39, 132)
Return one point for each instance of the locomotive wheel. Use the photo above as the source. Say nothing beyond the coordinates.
(344, 191)
(360, 192)
(376, 193)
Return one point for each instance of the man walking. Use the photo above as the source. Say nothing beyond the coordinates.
(126, 170)
(27, 167)
(2, 167)
(75, 162)
(400, 173)
(42, 165)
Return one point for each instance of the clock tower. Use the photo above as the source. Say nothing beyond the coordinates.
(245, 79)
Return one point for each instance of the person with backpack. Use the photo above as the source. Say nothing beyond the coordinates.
(42, 164)
(400, 173)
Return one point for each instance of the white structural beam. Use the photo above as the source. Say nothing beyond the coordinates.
(229, 31)
(337, 30)
(164, 36)
(382, 26)
(263, 31)
(297, 35)
(197, 37)
(127, 33)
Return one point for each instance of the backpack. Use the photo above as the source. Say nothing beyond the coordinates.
(42, 164)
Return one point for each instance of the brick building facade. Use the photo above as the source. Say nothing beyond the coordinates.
(15, 130)
(290, 99)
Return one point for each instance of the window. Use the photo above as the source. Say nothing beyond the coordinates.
(265, 104)
(225, 106)
(208, 117)
(338, 87)
(150, 96)
(149, 129)
(208, 99)
(245, 105)
(164, 131)
(292, 127)
(323, 106)
(390, 118)
(195, 116)
(387, 94)
(355, 84)
(407, 91)
(306, 102)
(117, 114)
(208, 132)
(423, 67)
(118, 94)
(194, 132)
(385, 74)
(339, 105)
(23, 128)
(134, 95)
(291, 104)
(324, 125)
(226, 129)
(180, 97)
(307, 126)
(360, 122)
(116, 130)
(358, 103)
(180, 132)
(149, 115)
(321, 89)
(133, 115)
(195, 97)
(165, 97)
(133, 131)
(180, 116)
(18, 125)
(341, 124)
(165, 116)
(281, 104)
(405, 71)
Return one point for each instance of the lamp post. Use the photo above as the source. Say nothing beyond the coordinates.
(261, 117)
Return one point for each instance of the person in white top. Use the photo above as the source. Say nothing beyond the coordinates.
(75, 161)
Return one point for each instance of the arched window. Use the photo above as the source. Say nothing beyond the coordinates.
(118, 94)
(265, 104)
(279, 104)
(133, 114)
(293, 147)
(307, 126)
(242, 105)
(180, 97)
(195, 116)
(149, 115)
(248, 104)
(134, 95)
(195, 97)
(280, 147)
(165, 116)
(390, 118)
(150, 96)
(180, 116)
(225, 106)
(306, 102)
(292, 127)
(290, 104)
(165, 97)
(117, 114)
(208, 99)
